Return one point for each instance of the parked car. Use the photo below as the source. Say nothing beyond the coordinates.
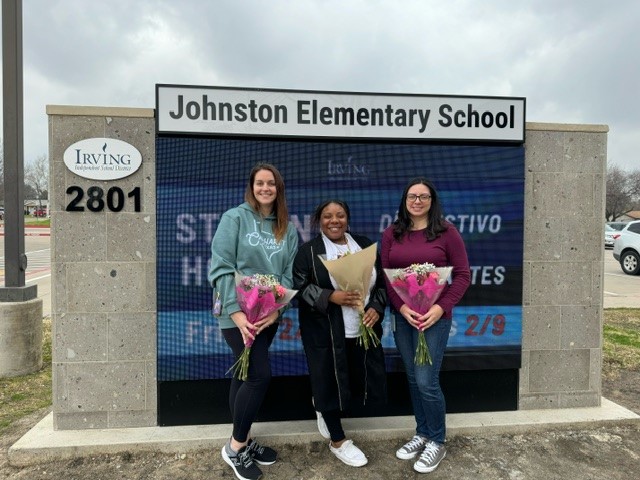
(626, 248)
(610, 234)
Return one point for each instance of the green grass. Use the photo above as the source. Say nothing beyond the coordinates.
(25, 394)
(622, 337)
(31, 221)
(621, 340)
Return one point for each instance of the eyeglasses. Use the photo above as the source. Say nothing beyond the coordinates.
(412, 197)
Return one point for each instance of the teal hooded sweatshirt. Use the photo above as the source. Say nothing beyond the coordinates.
(244, 242)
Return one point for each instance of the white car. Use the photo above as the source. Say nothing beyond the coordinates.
(610, 234)
(626, 248)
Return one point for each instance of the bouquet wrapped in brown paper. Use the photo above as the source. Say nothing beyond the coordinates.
(353, 272)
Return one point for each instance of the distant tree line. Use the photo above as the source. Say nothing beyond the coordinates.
(36, 178)
(623, 192)
(623, 188)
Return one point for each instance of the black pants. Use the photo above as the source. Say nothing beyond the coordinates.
(245, 398)
(355, 360)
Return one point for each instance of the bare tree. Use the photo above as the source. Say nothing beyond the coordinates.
(36, 175)
(623, 191)
(634, 186)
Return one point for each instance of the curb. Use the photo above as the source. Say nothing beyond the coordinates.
(42, 443)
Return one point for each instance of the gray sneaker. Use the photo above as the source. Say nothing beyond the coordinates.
(242, 463)
(411, 448)
(430, 457)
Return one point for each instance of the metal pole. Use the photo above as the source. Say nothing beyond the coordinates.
(15, 258)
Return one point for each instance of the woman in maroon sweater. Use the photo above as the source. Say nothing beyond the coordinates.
(419, 235)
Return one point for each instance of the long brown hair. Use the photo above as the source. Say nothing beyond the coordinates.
(280, 206)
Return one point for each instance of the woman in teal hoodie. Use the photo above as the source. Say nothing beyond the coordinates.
(255, 237)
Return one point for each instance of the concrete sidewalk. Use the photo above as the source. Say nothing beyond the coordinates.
(42, 444)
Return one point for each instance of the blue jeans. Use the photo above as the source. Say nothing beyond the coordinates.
(427, 398)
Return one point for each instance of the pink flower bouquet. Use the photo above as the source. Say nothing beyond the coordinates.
(258, 296)
(419, 286)
(353, 272)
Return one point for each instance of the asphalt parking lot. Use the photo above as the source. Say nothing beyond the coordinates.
(620, 290)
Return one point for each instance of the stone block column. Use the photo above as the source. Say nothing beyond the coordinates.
(20, 337)
(103, 278)
(565, 178)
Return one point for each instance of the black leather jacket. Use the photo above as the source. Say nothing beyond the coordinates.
(322, 331)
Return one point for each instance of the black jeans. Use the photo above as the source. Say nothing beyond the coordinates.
(355, 361)
(245, 398)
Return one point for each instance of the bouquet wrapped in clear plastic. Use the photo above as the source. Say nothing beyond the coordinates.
(419, 286)
(353, 272)
(258, 295)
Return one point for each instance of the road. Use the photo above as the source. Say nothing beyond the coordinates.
(620, 290)
(38, 250)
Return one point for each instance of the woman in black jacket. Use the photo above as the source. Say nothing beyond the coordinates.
(339, 368)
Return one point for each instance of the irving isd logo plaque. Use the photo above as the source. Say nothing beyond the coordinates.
(102, 158)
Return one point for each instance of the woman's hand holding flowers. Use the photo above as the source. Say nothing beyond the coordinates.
(346, 298)
(422, 322)
(247, 329)
(431, 317)
(411, 316)
(266, 321)
(370, 317)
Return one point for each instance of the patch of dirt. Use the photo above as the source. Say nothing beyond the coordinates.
(610, 453)
(623, 388)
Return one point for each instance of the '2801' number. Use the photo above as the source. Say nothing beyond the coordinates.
(96, 201)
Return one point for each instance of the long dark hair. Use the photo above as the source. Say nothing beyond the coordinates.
(436, 224)
(317, 214)
(280, 207)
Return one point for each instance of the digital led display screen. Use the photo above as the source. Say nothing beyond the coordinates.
(481, 189)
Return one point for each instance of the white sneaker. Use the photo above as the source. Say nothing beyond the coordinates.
(322, 426)
(350, 454)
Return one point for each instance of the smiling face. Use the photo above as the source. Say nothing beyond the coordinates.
(264, 190)
(333, 222)
(418, 201)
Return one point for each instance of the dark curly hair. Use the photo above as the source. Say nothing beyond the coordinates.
(317, 214)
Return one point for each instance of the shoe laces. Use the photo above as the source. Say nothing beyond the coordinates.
(430, 452)
(256, 447)
(245, 458)
(414, 443)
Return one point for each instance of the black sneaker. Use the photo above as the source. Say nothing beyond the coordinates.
(261, 454)
(242, 464)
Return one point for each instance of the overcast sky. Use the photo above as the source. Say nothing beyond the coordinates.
(575, 61)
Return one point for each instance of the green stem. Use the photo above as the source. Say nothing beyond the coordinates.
(241, 367)
(366, 336)
(422, 356)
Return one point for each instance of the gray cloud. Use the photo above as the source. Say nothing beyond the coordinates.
(573, 60)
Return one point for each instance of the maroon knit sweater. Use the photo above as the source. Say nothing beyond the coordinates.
(445, 251)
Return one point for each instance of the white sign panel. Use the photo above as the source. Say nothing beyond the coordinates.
(293, 113)
(102, 158)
